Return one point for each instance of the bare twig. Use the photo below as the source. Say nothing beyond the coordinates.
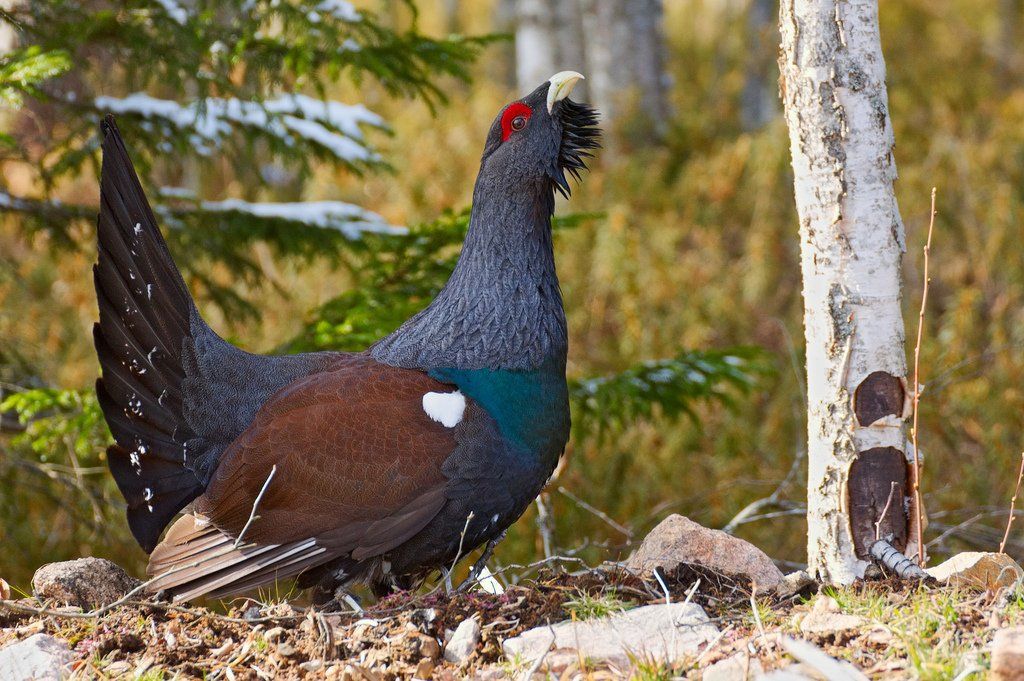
(691, 592)
(544, 525)
(458, 554)
(757, 614)
(252, 515)
(714, 643)
(1013, 502)
(597, 512)
(751, 511)
(888, 502)
(918, 503)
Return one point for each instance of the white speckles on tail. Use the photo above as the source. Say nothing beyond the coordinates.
(445, 408)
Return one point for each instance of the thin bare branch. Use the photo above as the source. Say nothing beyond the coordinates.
(252, 515)
(918, 502)
(1013, 502)
(888, 502)
(597, 512)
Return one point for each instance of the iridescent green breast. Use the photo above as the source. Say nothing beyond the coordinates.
(531, 408)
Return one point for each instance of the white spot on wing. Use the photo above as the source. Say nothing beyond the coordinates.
(445, 408)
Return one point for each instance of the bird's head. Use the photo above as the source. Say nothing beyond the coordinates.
(536, 140)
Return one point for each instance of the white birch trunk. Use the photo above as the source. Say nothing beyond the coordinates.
(625, 60)
(758, 102)
(536, 43)
(841, 140)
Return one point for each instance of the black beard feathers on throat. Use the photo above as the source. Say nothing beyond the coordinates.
(580, 134)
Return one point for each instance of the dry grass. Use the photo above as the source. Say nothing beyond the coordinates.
(907, 631)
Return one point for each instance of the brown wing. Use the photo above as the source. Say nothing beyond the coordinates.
(358, 471)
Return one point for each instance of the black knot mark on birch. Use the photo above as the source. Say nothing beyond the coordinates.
(879, 395)
(870, 485)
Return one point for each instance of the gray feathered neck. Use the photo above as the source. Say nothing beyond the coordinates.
(501, 308)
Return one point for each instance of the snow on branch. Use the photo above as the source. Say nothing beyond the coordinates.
(175, 11)
(349, 219)
(332, 126)
(341, 10)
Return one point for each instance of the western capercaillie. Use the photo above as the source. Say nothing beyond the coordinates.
(378, 466)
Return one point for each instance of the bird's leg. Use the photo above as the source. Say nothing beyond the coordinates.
(330, 599)
(352, 602)
(481, 562)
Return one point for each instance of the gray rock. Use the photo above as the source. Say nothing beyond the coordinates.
(978, 570)
(653, 632)
(738, 667)
(826, 618)
(1008, 655)
(463, 641)
(794, 583)
(677, 539)
(86, 582)
(40, 657)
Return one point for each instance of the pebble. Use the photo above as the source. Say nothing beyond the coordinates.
(463, 641)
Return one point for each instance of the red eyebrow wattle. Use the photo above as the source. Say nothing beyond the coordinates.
(514, 109)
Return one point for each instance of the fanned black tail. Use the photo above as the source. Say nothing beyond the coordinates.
(174, 393)
(145, 313)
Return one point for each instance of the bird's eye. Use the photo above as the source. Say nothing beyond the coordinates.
(518, 123)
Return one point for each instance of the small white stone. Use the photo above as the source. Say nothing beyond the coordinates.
(463, 641)
(445, 408)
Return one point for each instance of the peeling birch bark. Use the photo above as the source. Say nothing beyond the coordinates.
(851, 237)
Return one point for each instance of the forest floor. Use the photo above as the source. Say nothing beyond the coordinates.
(886, 629)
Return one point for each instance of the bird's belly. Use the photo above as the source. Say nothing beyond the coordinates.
(485, 508)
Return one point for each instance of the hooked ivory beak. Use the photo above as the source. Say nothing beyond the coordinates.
(562, 84)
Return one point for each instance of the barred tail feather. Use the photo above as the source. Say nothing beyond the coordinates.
(196, 559)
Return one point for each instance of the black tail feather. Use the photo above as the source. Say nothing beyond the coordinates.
(174, 394)
(145, 310)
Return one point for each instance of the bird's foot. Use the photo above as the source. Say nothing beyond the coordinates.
(350, 600)
(481, 563)
(336, 601)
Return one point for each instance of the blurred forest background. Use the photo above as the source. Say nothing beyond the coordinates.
(682, 246)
